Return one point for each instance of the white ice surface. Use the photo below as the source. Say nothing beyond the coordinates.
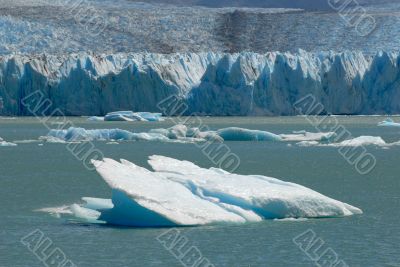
(5, 143)
(353, 142)
(179, 193)
(307, 136)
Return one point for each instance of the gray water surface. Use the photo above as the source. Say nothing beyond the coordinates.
(34, 177)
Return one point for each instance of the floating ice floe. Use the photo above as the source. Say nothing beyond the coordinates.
(132, 116)
(80, 134)
(95, 118)
(354, 142)
(4, 143)
(389, 123)
(180, 193)
(307, 136)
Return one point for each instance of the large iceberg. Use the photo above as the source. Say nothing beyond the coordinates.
(179, 193)
(206, 83)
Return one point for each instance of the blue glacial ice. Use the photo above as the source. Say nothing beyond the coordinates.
(179, 193)
(80, 134)
(240, 134)
(207, 83)
(389, 123)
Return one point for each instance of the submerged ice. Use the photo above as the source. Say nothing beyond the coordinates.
(179, 193)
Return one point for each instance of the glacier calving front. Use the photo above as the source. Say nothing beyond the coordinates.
(208, 83)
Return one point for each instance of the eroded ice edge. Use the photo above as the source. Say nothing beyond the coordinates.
(180, 193)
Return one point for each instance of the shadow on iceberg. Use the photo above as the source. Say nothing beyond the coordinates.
(180, 193)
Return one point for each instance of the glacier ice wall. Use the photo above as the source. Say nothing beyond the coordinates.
(209, 83)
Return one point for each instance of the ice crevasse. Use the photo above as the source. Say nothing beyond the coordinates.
(180, 193)
(207, 83)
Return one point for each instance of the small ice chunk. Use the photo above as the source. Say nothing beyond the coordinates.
(389, 123)
(95, 118)
(4, 143)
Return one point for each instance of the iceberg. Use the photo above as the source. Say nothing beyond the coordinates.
(133, 116)
(95, 118)
(389, 123)
(80, 134)
(4, 143)
(240, 134)
(180, 193)
(354, 142)
(300, 136)
(362, 141)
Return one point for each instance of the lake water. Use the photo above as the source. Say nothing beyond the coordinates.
(34, 176)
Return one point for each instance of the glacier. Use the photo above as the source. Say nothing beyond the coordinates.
(196, 196)
(53, 27)
(219, 84)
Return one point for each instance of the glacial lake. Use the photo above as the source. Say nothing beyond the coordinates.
(36, 175)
